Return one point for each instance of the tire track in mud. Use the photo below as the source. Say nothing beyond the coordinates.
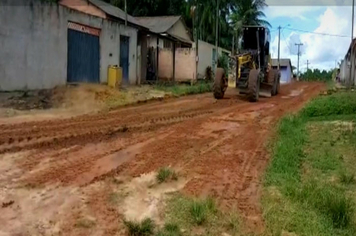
(219, 146)
(79, 135)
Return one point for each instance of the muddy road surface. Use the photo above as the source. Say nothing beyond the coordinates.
(63, 176)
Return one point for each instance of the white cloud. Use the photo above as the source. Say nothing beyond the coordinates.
(309, 2)
(300, 12)
(320, 50)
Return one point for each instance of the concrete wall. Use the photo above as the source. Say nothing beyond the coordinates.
(286, 74)
(344, 71)
(205, 51)
(185, 64)
(165, 64)
(33, 39)
(179, 30)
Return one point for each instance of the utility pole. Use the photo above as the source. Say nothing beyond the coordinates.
(195, 17)
(308, 65)
(279, 45)
(216, 34)
(298, 44)
(352, 20)
(125, 12)
(351, 51)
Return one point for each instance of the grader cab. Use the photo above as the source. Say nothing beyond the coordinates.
(254, 74)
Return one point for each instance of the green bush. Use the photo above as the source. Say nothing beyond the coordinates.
(223, 62)
(199, 212)
(165, 174)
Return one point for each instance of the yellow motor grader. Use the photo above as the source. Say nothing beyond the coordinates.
(254, 74)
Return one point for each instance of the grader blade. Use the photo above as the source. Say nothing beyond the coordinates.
(265, 90)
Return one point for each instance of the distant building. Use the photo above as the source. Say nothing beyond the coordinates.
(285, 68)
(348, 65)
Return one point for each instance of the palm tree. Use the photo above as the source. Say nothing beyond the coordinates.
(248, 12)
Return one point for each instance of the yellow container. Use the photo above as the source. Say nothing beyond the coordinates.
(114, 76)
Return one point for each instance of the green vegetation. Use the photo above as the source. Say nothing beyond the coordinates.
(318, 75)
(190, 214)
(347, 178)
(184, 89)
(342, 103)
(170, 229)
(223, 62)
(233, 14)
(144, 228)
(309, 185)
(164, 174)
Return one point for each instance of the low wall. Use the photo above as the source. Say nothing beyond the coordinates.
(185, 64)
(165, 64)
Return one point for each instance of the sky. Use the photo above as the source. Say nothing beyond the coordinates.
(318, 16)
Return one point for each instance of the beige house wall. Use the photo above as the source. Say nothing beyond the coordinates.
(165, 64)
(185, 64)
(179, 30)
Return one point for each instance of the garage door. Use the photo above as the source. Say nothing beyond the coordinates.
(83, 54)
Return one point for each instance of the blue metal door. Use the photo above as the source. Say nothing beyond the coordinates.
(83, 57)
(124, 57)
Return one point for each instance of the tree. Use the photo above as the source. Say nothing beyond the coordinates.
(232, 13)
(317, 75)
(248, 12)
(151, 7)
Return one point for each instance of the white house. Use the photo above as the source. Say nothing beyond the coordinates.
(285, 69)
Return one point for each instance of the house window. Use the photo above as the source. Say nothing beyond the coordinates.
(167, 43)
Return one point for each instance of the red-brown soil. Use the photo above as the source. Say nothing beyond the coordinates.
(58, 170)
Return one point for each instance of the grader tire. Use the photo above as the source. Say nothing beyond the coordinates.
(253, 85)
(279, 82)
(219, 84)
(274, 78)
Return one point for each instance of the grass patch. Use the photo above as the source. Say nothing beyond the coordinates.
(199, 212)
(341, 103)
(192, 215)
(170, 229)
(347, 178)
(143, 228)
(308, 187)
(184, 89)
(165, 174)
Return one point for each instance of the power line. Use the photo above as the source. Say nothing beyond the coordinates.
(285, 41)
(325, 34)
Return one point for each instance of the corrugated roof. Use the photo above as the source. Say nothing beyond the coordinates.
(284, 62)
(115, 12)
(158, 24)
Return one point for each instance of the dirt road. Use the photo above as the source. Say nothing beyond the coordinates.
(54, 174)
